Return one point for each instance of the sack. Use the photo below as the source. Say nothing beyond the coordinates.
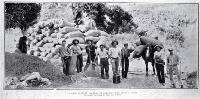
(94, 39)
(151, 41)
(103, 41)
(74, 34)
(72, 65)
(138, 51)
(94, 33)
(116, 79)
(102, 33)
(66, 30)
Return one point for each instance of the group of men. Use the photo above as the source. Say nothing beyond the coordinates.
(115, 54)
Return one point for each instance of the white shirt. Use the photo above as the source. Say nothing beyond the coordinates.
(159, 55)
(103, 54)
(114, 52)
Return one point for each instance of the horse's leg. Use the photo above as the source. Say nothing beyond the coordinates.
(153, 63)
(146, 63)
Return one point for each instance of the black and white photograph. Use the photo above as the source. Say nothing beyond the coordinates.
(100, 45)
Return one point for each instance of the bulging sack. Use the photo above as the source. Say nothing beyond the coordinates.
(102, 33)
(102, 41)
(94, 39)
(66, 30)
(151, 41)
(74, 34)
(94, 33)
(138, 51)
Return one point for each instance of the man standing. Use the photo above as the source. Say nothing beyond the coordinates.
(90, 50)
(125, 53)
(103, 55)
(114, 54)
(159, 64)
(65, 54)
(172, 65)
(76, 49)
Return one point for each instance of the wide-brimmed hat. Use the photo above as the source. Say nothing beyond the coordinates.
(125, 44)
(158, 46)
(102, 45)
(75, 40)
(170, 49)
(114, 41)
(89, 40)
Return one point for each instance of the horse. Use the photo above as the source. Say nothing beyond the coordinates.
(148, 56)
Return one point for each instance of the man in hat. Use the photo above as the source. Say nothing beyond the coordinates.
(159, 63)
(172, 66)
(125, 53)
(90, 50)
(114, 53)
(76, 50)
(65, 54)
(103, 55)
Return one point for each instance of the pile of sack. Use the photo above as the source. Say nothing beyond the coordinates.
(47, 36)
(30, 80)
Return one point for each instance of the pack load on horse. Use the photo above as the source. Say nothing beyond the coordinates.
(145, 48)
(138, 51)
(151, 41)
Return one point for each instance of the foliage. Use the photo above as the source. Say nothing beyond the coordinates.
(21, 15)
(121, 21)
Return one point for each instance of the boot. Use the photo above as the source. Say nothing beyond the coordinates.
(102, 76)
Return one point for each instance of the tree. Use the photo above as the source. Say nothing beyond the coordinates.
(21, 15)
(120, 19)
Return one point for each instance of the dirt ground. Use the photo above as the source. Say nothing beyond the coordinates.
(136, 79)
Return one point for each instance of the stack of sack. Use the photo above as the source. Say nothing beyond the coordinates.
(47, 36)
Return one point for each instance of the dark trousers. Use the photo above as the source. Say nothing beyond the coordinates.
(66, 63)
(125, 67)
(160, 72)
(91, 58)
(79, 63)
(104, 66)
